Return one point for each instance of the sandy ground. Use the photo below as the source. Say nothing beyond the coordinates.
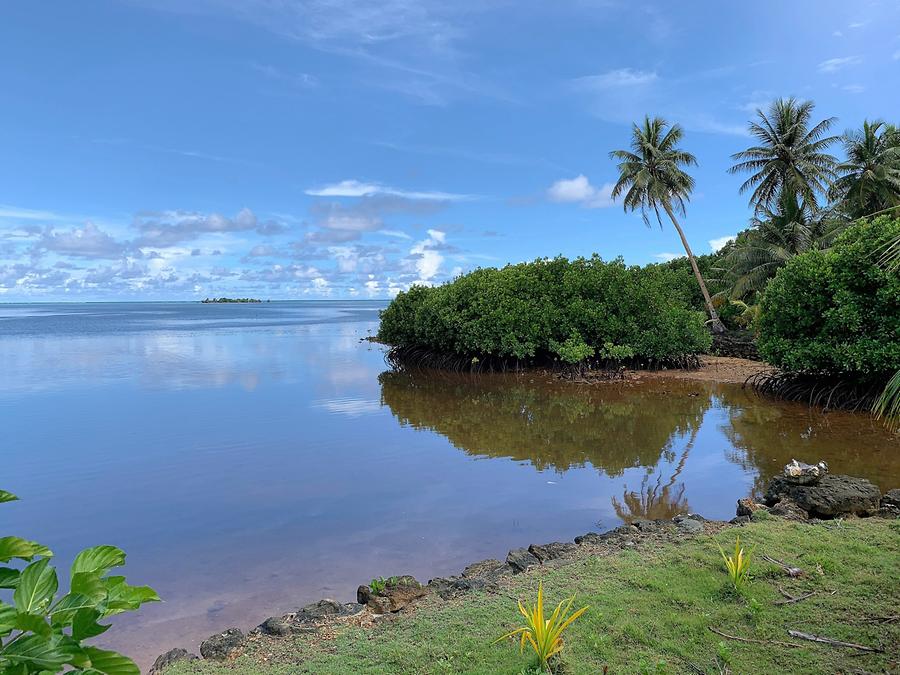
(715, 369)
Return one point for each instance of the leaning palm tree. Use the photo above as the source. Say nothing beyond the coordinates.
(652, 178)
(869, 179)
(776, 236)
(791, 156)
(887, 406)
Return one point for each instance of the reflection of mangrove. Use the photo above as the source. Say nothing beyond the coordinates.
(766, 435)
(551, 425)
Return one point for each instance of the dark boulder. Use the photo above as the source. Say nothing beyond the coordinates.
(396, 595)
(163, 661)
(276, 625)
(746, 507)
(833, 496)
(891, 498)
(520, 559)
(690, 526)
(788, 510)
(223, 646)
(552, 551)
(317, 611)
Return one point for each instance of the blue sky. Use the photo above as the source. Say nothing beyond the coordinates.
(174, 149)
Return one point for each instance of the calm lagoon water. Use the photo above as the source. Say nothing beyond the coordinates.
(253, 458)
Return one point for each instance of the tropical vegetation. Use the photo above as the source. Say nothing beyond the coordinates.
(836, 312)
(544, 635)
(652, 176)
(549, 309)
(44, 632)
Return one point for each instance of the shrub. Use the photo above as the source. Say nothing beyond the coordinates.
(544, 635)
(836, 312)
(737, 565)
(40, 633)
(550, 309)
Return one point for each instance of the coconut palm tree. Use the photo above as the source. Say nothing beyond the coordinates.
(651, 178)
(888, 404)
(791, 156)
(869, 179)
(775, 237)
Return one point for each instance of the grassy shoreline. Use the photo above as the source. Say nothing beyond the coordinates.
(653, 598)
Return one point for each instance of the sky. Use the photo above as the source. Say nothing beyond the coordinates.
(280, 149)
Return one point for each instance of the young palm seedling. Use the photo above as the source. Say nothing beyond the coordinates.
(544, 635)
(737, 565)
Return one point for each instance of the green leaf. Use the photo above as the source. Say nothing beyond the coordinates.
(8, 615)
(85, 624)
(32, 623)
(16, 547)
(98, 559)
(63, 612)
(7, 497)
(9, 577)
(36, 651)
(89, 584)
(37, 586)
(123, 597)
(111, 663)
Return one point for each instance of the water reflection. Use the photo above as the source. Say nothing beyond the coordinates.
(550, 424)
(260, 444)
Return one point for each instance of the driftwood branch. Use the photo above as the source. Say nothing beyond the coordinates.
(791, 571)
(833, 643)
(792, 599)
(757, 642)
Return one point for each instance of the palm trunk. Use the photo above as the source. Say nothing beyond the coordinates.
(716, 324)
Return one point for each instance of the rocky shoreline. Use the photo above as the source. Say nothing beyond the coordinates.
(803, 493)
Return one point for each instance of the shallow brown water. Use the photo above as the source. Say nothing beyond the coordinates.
(252, 459)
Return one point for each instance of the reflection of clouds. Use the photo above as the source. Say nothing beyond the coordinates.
(352, 407)
(99, 350)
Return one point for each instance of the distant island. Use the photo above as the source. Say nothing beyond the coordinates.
(217, 300)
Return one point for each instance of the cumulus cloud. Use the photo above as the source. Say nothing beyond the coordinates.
(666, 257)
(427, 255)
(355, 188)
(170, 228)
(86, 242)
(836, 64)
(719, 242)
(579, 190)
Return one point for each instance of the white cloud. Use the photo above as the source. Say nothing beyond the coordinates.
(896, 55)
(834, 65)
(838, 33)
(622, 77)
(718, 243)
(398, 234)
(666, 257)
(579, 190)
(428, 258)
(87, 242)
(853, 88)
(355, 188)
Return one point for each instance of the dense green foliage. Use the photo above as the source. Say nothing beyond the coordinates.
(43, 633)
(550, 308)
(836, 312)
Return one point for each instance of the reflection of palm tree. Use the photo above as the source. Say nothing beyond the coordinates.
(659, 501)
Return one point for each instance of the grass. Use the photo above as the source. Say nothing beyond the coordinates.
(651, 610)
